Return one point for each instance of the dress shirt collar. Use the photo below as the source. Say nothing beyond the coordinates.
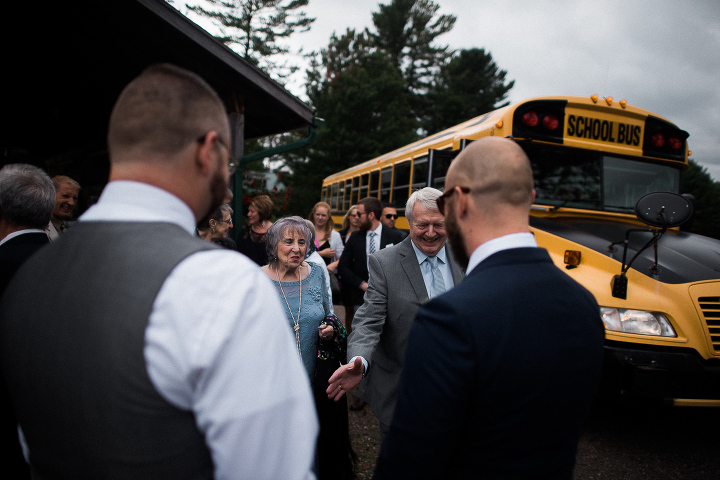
(378, 231)
(20, 232)
(506, 242)
(126, 201)
(421, 257)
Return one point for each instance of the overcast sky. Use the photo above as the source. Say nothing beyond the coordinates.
(660, 55)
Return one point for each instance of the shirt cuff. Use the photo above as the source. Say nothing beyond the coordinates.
(365, 364)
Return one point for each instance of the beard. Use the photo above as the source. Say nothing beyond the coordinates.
(218, 188)
(366, 225)
(456, 239)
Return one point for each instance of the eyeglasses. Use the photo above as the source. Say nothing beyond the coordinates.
(448, 193)
(360, 214)
(391, 216)
(228, 221)
(232, 163)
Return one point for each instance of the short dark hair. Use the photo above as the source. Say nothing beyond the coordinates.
(373, 205)
(161, 111)
(27, 196)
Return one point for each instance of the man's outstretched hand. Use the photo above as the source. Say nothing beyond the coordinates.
(345, 378)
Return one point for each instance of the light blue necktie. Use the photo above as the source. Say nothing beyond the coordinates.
(438, 282)
(372, 243)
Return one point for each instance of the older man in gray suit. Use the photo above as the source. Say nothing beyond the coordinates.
(402, 277)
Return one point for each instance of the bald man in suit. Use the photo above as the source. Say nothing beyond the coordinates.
(499, 372)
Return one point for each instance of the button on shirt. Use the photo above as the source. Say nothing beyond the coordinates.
(426, 270)
(213, 322)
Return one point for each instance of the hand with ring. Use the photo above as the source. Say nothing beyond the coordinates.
(325, 331)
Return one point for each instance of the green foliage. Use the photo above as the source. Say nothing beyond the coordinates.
(468, 86)
(254, 27)
(406, 30)
(366, 108)
(696, 181)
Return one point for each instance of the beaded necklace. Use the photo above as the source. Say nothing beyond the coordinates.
(296, 322)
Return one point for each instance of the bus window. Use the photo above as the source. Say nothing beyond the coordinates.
(626, 181)
(374, 183)
(355, 191)
(401, 185)
(565, 177)
(385, 183)
(348, 193)
(333, 196)
(420, 172)
(439, 163)
(364, 185)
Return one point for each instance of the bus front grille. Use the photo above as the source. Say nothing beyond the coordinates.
(710, 307)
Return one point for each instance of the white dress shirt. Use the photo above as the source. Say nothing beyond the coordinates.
(426, 271)
(218, 343)
(20, 232)
(372, 238)
(506, 242)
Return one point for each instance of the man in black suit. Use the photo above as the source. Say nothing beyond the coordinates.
(389, 216)
(500, 371)
(353, 264)
(27, 198)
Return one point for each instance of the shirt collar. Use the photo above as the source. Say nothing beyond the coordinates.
(128, 201)
(421, 257)
(20, 232)
(506, 242)
(378, 231)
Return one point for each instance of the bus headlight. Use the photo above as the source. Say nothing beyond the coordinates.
(636, 321)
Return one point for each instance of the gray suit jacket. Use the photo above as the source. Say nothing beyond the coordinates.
(381, 325)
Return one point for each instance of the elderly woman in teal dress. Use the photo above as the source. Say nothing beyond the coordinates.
(300, 285)
(302, 289)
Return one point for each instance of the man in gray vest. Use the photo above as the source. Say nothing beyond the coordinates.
(167, 357)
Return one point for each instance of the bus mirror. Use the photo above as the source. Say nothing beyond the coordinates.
(664, 209)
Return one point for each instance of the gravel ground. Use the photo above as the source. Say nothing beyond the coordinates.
(365, 438)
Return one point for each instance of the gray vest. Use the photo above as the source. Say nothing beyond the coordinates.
(72, 343)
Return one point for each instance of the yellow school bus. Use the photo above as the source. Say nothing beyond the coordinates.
(595, 160)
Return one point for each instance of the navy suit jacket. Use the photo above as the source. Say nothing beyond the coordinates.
(15, 251)
(499, 375)
(353, 265)
(12, 255)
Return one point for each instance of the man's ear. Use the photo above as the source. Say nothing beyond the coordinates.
(462, 204)
(204, 153)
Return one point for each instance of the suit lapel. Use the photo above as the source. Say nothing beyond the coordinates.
(411, 267)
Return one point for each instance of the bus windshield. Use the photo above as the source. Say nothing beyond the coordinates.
(594, 180)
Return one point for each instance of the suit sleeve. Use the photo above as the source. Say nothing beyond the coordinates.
(370, 318)
(433, 398)
(346, 263)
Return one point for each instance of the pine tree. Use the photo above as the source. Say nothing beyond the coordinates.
(366, 108)
(696, 181)
(469, 85)
(254, 28)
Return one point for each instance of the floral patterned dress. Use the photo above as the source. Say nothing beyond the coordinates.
(312, 312)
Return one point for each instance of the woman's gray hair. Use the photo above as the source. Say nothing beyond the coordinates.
(426, 196)
(216, 215)
(278, 229)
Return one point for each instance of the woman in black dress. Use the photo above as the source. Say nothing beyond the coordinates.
(251, 240)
